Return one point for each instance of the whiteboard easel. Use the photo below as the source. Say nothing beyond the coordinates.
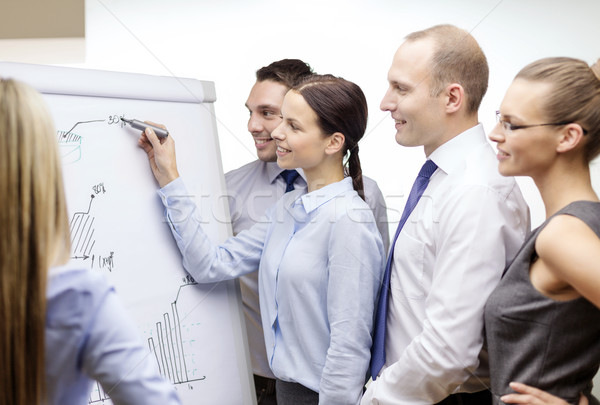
(194, 332)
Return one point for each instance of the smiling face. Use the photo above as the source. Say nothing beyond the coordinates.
(417, 115)
(264, 105)
(526, 151)
(300, 140)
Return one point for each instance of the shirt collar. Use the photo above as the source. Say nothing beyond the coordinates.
(449, 155)
(273, 171)
(315, 199)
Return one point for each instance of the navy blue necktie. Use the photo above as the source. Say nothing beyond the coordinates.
(378, 350)
(289, 176)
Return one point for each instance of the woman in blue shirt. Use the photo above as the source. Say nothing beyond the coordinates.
(320, 255)
(60, 328)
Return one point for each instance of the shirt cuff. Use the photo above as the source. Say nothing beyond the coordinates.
(174, 188)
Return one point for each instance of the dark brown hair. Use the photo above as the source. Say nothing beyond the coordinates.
(575, 95)
(341, 106)
(286, 71)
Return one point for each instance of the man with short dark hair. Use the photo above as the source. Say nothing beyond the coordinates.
(256, 186)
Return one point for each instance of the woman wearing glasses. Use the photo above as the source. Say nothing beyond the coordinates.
(543, 320)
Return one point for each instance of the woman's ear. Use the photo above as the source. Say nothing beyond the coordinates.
(570, 137)
(336, 143)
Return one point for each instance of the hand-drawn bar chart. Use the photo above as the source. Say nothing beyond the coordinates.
(168, 348)
(171, 343)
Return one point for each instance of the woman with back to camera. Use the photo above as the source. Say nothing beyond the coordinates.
(543, 320)
(60, 328)
(319, 255)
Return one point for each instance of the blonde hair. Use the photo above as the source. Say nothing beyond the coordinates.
(575, 95)
(34, 235)
(457, 58)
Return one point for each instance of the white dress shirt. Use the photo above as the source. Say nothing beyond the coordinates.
(465, 229)
(252, 189)
(320, 261)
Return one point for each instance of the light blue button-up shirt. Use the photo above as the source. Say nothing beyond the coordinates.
(254, 188)
(89, 336)
(320, 260)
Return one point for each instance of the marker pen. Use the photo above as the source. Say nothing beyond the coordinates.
(161, 133)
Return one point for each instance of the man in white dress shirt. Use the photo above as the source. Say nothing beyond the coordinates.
(465, 229)
(256, 186)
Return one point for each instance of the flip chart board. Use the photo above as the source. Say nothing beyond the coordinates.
(194, 332)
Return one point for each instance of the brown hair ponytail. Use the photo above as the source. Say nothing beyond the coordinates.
(355, 171)
(341, 106)
(575, 95)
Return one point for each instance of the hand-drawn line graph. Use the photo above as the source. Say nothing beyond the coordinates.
(70, 143)
(83, 241)
(82, 233)
(169, 353)
(70, 146)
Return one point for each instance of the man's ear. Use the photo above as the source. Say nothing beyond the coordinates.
(455, 97)
(570, 137)
(336, 143)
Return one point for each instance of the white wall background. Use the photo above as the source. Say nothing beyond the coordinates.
(226, 41)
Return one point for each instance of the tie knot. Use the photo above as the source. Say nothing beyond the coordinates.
(289, 176)
(427, 169)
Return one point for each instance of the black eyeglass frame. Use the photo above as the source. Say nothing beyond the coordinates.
(507, 126)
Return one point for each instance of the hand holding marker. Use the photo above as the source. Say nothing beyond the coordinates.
(160, 132)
